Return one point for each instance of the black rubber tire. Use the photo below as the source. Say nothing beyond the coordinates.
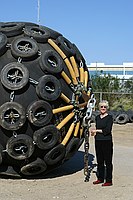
(11, 29)
(81, 142)
(130, 115)
(79, 57)
(55, 155)
(46, 137)
(114, 115)
(66, 46)
(34, 168)
(25, 48)
(3, 43)
(122, 118)
(38, 33)
(72, 147)
(30, 24)
(48, 88)
(51, 62)
(20, 147)
(1, 154)
(53, 34)
(12, 116)
(14, 76)
(39, 113)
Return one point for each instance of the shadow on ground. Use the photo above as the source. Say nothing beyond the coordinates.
(73, 165)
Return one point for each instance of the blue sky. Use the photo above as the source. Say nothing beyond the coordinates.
(101, 29)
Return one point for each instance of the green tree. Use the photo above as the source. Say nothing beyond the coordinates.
(129, 85)
(106, 85)
(129, 88)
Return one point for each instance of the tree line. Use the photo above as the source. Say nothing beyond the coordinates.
(119, 92)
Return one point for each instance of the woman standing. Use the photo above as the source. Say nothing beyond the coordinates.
(103, 144)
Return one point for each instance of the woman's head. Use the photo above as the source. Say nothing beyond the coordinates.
(103, 106)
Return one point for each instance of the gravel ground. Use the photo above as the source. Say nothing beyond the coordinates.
(67, 181)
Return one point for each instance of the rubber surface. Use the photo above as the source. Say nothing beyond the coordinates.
(39, 74)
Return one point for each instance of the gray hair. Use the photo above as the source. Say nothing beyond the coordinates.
(105, 102)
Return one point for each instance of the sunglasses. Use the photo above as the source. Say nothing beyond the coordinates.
(103, 106)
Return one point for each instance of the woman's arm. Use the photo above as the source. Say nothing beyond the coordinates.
(94, 131)
(107, 130)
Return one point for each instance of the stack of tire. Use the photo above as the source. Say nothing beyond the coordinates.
(43, 82)
(130, 115)
(120, 117)
(123, 117)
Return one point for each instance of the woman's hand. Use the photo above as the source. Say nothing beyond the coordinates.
(93, 131)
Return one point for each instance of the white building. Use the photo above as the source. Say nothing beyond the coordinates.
(124, 71)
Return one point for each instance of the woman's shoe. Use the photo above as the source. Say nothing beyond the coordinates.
(97, 182)
(107, 184)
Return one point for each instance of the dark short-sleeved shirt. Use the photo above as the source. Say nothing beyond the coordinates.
(105, 124)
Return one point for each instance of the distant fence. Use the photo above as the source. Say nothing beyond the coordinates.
(120, 94)
(115, 99)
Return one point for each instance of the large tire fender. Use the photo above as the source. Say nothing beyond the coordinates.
(12, 115)
(14, 76)
(34, 168)
(51, 62)
(55, 155)
(38, 33)
(11, 28)
(53, 34)
(39, 113)
(25, 48)
(72, 147)
(48, 88)
(46, 137)
(66, 46)
(3, 43)
(20, 147)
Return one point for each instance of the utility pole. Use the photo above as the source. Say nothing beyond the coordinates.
(38, 11)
